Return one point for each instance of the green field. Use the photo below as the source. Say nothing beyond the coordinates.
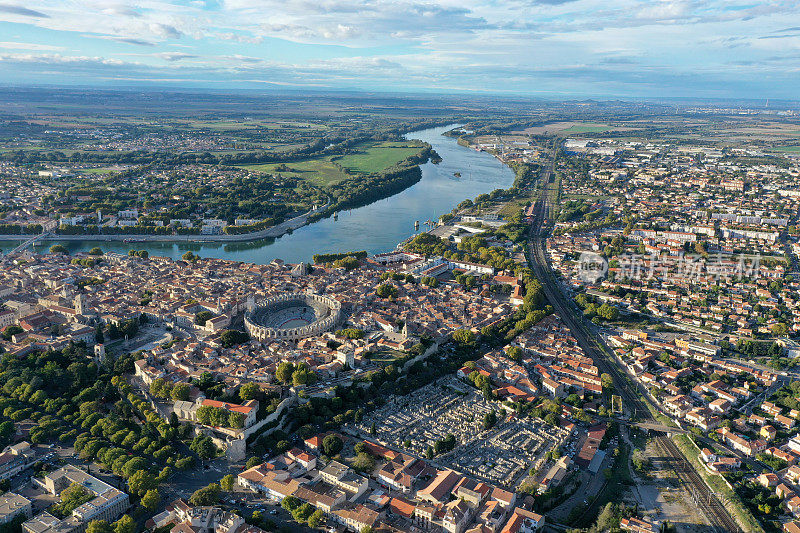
(378, 157)
(587, 128)
(787, 149)
(99, 170)
(513, 207)
(233, 125)
(322, 172)
(319, 171)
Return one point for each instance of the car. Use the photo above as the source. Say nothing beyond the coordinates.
(273, 512)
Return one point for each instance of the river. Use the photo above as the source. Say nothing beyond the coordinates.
(377, 227)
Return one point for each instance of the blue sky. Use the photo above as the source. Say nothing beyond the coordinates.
(549, 48)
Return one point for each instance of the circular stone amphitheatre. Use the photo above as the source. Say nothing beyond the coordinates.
(292, 316)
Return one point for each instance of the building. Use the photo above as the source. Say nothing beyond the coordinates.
(15, 459)
(523, 521)
(249, 409)
(356, 517)
(13, 505)
(108, 503)
(186, 519)
(638, 525)
(341, 476)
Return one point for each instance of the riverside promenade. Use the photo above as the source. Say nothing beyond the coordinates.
(271, 232)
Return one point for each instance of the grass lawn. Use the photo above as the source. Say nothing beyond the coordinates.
(320, 171)
(513, 207)
(385, 356)
(787, 149)
(99, 170)
(587, 128)
(378, 157)
(233, 125)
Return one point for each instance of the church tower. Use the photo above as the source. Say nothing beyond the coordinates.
(80, 304)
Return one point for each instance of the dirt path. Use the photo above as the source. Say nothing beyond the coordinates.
(661, 497)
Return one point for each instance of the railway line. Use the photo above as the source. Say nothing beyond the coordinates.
(595, 348)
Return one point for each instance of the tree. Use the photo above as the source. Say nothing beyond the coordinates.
(303, 376)
(284, 372)
(202, 317)
(386, 290)
(332, 445)
(58, 249)
(125, 524)
(189, 256)
(203, 446)
(303, 513)
(133, 465)
(780, 329)
(606, 380)
(640, 462)
(315, 520)
(489, 420)
(253, 461)
(71, 498)
(364, 462)
(208, 495)
(95, 251)
(99, 526)
(180, 392)
(151, 499)
(514, 353)
(236, 420)
(290, 503)
(249, 391)
(464, 337)
(232, 337)
(227, 482)
(141, 481)
(608, 311)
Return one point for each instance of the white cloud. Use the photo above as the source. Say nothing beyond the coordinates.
(452, 43)
(30, 46)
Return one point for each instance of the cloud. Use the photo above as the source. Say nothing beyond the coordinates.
(21, 11)
(29, 46)
(621, 47)
(174, 56)
(124, 40)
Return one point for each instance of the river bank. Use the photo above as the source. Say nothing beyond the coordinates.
(271, 232)
(376, 227)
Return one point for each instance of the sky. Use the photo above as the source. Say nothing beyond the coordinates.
(546, 48)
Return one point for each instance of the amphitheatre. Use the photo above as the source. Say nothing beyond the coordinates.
(292, 316)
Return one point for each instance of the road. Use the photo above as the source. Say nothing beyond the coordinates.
(594, 347)
(272, 231)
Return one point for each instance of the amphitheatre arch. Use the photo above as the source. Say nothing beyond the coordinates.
(292, 316)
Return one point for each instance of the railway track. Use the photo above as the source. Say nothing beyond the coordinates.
(595, 348)
(705, 500)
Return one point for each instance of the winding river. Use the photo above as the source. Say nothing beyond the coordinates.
(377, 227)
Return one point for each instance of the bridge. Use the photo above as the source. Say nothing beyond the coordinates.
(653, 426)
(29, 242)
